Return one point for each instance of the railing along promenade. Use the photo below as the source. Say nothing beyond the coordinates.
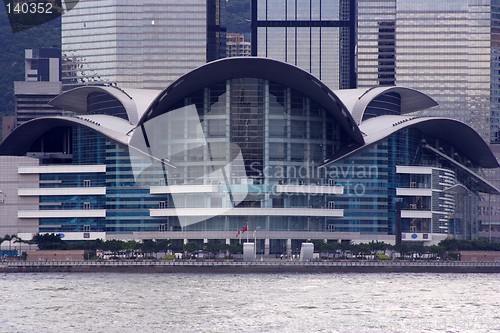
(278, 264)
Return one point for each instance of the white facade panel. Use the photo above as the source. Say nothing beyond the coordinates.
(10, 180)
(413, 236)
(79, 236)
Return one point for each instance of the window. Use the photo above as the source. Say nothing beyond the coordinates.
(86, 205)
(163, 227)
(162, 204)
(277, 151)
(217, 128)
(86, 228)
(87, 183)
(331, 204)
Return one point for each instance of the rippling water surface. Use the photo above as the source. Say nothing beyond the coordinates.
(249, 303)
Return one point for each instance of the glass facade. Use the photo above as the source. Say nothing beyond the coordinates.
(317, 36)
(448, 50)
(376, 42)
(139, 45)
(371, 183)
(126, 203)
(495, 71)
(440, 48)
(283, 136)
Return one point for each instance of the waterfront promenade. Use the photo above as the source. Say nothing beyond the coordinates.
(235, 267)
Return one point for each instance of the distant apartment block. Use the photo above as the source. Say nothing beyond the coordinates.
(237, 46)
(42, 83)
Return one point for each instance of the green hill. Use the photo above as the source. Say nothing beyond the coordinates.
(238, 16)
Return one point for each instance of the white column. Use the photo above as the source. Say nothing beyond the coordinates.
(266, 246)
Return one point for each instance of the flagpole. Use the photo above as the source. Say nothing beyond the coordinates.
(255, 242)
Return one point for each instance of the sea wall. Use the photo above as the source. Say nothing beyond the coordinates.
(227, 267)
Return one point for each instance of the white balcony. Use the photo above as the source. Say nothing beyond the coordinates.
(418, 214)
(47, 169)
(61, 191)
(414, 192)
(246, 212)
(71, 213)
(309, 189)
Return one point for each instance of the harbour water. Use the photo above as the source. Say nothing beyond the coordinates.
(113, 302)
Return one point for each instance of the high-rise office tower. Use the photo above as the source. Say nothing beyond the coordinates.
(431, 46)
(317, 36)
(146, 44)
(449, 50)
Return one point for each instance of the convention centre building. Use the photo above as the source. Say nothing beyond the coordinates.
(244, 143)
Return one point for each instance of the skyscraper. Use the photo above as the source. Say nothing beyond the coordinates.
(431, 46)
(317, 36)
(146, 44)
(449, 50)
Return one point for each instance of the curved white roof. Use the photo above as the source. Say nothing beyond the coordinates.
(462, 136)
(356, 100)
(255, 67)
(20, 140)
(135, 101)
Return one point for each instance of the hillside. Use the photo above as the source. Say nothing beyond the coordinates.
(238, 16)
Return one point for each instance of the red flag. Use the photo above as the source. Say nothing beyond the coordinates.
(237, 234)
(245, 228)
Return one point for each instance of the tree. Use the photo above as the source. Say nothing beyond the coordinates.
(10, 238)
(113, 246)
(191, 247)
(50, 242)
(149, 246)
(163, 245)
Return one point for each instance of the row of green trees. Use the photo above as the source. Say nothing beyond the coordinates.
(150, 247)
(131, 247)
(13, 239)
(408, 249)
